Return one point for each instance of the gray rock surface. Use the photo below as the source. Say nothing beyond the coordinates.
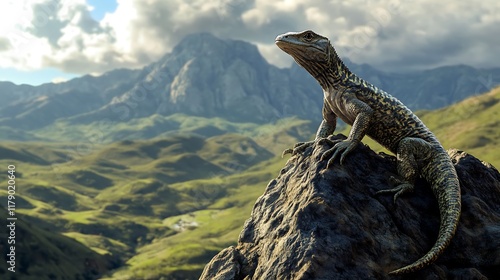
(317, 223)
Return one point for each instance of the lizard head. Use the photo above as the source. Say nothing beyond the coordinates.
(308, 49)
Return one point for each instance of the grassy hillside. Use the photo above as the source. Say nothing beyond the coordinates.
(159, 126)
(200, 234)
(41, 254)
(132, 200)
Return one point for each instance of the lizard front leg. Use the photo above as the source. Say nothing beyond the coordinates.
(363, 113)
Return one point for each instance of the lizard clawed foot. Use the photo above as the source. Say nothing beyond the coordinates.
(402, 187)
(341, 148)
(298, 148)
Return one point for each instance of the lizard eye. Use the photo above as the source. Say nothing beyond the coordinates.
(308, 36)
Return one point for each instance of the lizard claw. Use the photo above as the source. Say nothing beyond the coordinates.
(341, 148)
(287, 151)
(297, 148)
(402, 187)
(328, 152)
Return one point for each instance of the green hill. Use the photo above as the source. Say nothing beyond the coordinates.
(119, 199)
(159, 127)
(42, 254)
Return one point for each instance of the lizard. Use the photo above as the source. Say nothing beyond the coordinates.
(373, 112)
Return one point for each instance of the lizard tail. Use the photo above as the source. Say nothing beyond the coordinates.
(446, 188)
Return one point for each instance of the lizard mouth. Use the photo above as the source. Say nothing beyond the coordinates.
(285, 46)
(281, 43)
(288, 46)
(302, 51)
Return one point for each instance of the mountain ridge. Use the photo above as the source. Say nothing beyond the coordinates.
(205, 76)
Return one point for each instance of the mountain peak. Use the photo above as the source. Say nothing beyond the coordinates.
(198, 41)
(206, 44)
(201, 36)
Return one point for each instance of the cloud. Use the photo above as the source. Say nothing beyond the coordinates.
(4, 44)
(389, 34)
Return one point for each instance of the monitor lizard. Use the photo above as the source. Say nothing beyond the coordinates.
(373, 112)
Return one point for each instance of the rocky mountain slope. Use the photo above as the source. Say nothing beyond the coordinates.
(208, 77)
(317, 223)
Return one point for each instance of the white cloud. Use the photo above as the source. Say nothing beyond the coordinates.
(391, 34)
(254, 19)
(317, 17)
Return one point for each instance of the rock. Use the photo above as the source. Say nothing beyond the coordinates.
(317, 223)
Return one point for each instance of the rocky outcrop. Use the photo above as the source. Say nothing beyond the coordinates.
(317, 223)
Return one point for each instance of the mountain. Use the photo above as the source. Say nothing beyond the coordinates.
(203, 76)
(207, 77)
(26, 108)
(107, 85)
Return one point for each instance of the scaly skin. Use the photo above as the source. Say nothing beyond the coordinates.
(373, 112)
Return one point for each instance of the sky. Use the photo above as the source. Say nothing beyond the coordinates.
(55, 40)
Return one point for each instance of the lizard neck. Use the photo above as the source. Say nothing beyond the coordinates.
(334, 73)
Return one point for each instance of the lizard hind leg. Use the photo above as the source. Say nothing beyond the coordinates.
(410, 151)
